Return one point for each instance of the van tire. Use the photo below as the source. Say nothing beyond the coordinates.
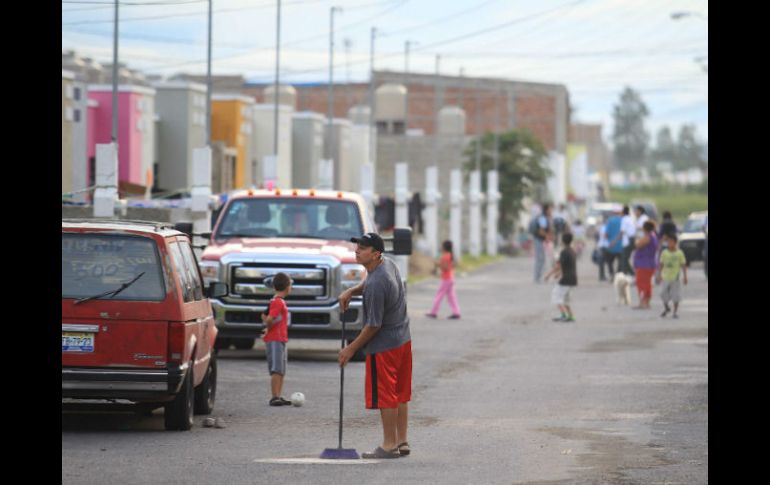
(178, 414)
(222, 343)
(244, 343)
(206, 392)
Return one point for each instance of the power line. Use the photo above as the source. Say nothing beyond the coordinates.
(188, 14)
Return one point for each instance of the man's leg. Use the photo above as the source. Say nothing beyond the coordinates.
(402, 424)
(539, 259)
(389, 428)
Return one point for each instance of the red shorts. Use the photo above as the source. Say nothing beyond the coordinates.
(389, 377)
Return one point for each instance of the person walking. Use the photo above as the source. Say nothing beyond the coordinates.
(672, 262)
(566, 270)
(446, 265)
(387, 342)
(614, 247)
(542, 231)
(628, 237)
(645, 263)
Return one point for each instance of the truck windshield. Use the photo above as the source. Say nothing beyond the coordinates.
(92, 264)
(283, 217)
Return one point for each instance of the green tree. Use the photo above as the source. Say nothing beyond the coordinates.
(665, 148)
(520, 170)
(630, 139)
(689, 151)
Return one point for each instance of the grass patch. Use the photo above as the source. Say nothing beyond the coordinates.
(470, 263)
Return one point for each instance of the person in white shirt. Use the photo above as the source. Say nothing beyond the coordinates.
(627, 233)
(641, 218)
(604, 257)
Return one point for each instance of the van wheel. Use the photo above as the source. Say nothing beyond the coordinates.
(206, 392)
(244, 343)
(359, 356)
(178, 414)
(222, 343)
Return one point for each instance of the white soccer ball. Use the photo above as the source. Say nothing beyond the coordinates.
(298, 399)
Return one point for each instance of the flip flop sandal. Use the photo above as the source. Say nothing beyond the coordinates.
(379, 452)
(403, 448)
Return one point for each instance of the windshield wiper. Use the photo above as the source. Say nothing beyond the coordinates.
(111, 292)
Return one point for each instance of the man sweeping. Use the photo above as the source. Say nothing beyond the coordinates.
(387, 343)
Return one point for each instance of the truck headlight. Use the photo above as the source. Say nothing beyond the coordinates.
(209, 271)
(352, 274)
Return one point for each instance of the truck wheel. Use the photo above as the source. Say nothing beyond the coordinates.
(206, 392)
(222, 343)
(178, 414)
(359, 356)
(243, 343)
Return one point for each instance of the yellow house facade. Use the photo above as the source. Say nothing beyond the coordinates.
(231, 123)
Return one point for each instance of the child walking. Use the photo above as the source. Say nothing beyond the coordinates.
(566, 267)
(447, 288)
(275, 336)
(672, 261)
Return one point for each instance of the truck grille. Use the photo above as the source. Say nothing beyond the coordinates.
(296, 318)
(310, 281)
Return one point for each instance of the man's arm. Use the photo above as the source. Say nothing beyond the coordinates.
(556, 270)
(363, 338)
(346, 295)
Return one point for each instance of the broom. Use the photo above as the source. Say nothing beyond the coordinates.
(339, 452)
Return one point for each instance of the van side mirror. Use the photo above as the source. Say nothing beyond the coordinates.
(402, 241)
(216, 290)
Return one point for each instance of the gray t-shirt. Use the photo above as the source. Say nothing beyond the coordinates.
(385, 307)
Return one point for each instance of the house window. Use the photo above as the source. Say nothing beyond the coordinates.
(77, 116)
(77, 94)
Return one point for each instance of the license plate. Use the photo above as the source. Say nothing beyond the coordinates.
(77, 342)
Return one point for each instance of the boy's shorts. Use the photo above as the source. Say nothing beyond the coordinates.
(275, 355)
(560, 295)
(671, 291)
(388, 380)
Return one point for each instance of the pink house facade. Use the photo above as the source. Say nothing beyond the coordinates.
(136, 129)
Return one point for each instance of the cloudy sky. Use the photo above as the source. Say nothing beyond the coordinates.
(594, 47)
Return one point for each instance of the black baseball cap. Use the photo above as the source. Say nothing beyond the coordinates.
(370, 239)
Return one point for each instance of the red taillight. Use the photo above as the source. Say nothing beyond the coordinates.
(176, 342)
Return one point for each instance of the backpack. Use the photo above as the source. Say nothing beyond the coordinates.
(534, 227)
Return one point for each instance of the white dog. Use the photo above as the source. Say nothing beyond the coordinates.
(622, 284)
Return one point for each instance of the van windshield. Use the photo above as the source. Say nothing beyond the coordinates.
(92, 264)
(284, 217)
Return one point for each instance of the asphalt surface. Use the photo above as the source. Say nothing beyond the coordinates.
(503, 395)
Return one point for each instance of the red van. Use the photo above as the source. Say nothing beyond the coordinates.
(137, 324)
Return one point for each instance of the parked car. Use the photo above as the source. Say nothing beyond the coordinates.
(692, 239)
(137, 324)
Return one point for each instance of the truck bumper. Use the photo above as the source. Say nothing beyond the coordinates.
(313, 322)
(130, 384)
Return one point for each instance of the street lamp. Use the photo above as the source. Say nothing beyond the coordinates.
(683, 14)
(330, 147)
(277, 78)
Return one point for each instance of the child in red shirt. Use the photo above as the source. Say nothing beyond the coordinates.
(446, 263)
(275, 336)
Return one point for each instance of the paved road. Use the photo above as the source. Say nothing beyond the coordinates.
(503, 395)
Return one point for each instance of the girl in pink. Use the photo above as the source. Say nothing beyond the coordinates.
(446, 263)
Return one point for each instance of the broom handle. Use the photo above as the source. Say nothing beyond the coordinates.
(342, 379)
